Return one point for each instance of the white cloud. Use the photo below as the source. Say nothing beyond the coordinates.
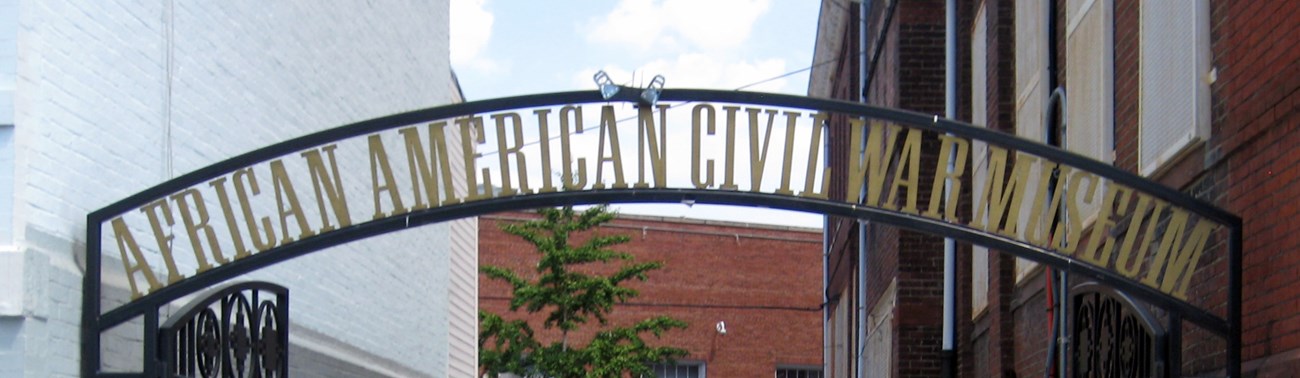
(679, 24)
(471, 29)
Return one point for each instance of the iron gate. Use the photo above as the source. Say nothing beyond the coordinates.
(1113, 337)
(239, 330)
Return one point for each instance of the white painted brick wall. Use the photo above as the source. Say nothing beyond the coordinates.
(92, 111)
(463, 290)
(8, 58)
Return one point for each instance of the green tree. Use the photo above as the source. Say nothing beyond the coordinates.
(564, 290)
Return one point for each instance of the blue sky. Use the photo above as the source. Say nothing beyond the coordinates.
(504, 48)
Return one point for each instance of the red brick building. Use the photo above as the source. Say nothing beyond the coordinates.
(763, 282)
(1202, 96)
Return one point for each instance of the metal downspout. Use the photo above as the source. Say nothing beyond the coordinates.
(949, 355)
(1057, 345)
(826, 266)
(826, 283)
(864, 8)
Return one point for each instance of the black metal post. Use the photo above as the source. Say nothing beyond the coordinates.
(1175, 345)
(1064, 338)
(90, 300)
(151, 344)
(1234, 300)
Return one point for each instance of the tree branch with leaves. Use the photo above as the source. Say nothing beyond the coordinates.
(571, 298)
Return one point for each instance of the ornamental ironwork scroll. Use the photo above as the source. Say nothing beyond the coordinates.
(241, 330)
(1112, 338)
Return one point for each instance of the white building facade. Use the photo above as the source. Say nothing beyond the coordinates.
(103, 99)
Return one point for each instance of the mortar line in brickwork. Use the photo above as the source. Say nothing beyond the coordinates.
(686, 231)
(169, 19)
(692, 305)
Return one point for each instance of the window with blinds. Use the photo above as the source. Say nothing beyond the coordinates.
(979, 117)
(1088, 85)
(1089, 91)
(1089, 79)
(799, 372)
(1174, 99)
(679, 370)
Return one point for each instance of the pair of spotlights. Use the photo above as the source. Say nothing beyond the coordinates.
(649, 95)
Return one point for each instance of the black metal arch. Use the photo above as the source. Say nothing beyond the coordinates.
(94, 323)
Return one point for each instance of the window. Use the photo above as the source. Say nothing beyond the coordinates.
(1174, 66)
(880, 328)
(1089, 80)
(979, 117)
(799, 372)
(679, 370)
(1089, 86)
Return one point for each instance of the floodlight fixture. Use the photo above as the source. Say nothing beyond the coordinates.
(607, 87)
(650, 95)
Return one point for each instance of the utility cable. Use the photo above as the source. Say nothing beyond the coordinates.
(756, 83)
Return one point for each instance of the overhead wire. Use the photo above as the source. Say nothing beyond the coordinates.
(753, 84)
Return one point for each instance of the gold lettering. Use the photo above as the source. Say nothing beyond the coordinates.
(757, 156)
(706, 111)
(1074, 231)
(951, 175)
(814, 149)
(571, 182)
(471, 134)
(912, 153)
(224, 199)
(427, 168)
(379, 167)
(729, 163)
(1101, 239)
(285, 195)
(193, 226)
(327, 184)
(1178, 256)
(1003, 193)
(609, 135)
(544, 143)
(658, 146)
(1039, 229)
(163, 237)
(126, 245)
(1127, 263)
(868, 161)
(784, 188)
(246, 177)
(504, 152)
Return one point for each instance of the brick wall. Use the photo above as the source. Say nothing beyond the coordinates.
(1255, 131)
(997, 323)
(1127, 55)
(764, 282)
(113, 97)
(908, 74)
(1031, 326)
(1248, 166)
(920, 256)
